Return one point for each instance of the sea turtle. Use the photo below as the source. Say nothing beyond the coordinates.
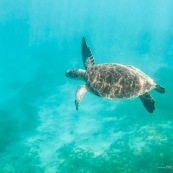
(113, 81)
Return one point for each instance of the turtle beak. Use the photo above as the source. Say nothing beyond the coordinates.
(68, 73)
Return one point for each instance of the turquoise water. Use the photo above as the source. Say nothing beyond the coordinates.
(40, 130)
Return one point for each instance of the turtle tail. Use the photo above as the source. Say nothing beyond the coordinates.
(160, 89)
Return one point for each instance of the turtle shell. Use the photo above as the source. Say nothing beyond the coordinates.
(117, 81)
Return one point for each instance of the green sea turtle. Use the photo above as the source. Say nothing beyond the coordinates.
(113, 81)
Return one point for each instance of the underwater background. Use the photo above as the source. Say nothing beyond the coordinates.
(40, 130)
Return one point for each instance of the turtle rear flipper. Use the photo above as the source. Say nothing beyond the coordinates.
(148, 102)
(160, 89)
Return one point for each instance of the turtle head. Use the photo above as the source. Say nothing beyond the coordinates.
(72, 73)
(76, 74)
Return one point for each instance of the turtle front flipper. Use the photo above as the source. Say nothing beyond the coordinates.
(148, 102)
(88, 59)
(81, 90)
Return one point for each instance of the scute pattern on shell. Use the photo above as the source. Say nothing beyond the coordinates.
(117, 81)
